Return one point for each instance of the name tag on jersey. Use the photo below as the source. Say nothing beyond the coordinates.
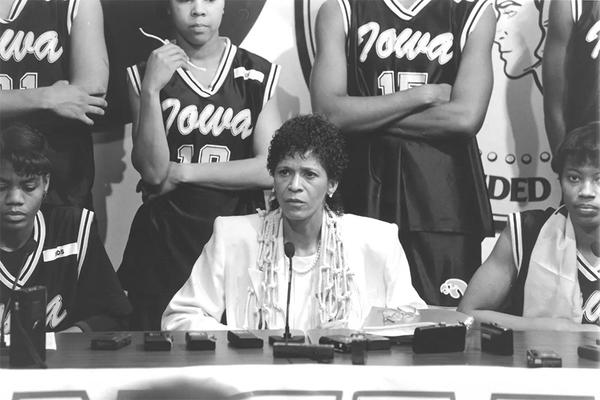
(241, 72)
(60, 251)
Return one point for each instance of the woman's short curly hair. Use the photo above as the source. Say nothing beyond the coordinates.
(580, 146)
(25, 149)
(315, 135)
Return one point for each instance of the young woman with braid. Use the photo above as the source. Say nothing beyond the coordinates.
(343, 264)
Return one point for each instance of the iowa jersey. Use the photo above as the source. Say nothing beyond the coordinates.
(434, 186)
(67, 258)
(34, 45)
(582, 102)
(525, 228)
(392, 48)
(203, 124)
(35, 52)
(215, 123)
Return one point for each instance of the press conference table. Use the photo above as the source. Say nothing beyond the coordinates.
(74, 351)
(75, 371)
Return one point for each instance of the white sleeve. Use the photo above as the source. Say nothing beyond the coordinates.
(200, 302)
(399, 288)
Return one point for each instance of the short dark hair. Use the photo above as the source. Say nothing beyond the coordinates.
(580, 146)
(311, 134)
(26, 149)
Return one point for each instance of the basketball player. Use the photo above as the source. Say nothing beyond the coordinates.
(571, 67)
(53, 75)
(409, 83)
(202, 124)
(544, 271)
(57, 247)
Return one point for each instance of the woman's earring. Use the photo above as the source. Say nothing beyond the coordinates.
(330, 194)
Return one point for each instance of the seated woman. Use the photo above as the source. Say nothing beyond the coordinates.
(343, 264)
(57, 247)
(544, 270)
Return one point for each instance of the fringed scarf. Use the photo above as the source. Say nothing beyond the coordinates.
(333, 291)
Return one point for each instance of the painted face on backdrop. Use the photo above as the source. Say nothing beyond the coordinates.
(196, 21)
(301, 184)
(520, 35)
(20, 197)
(581, 193)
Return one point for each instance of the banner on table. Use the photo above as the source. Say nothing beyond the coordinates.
(302, 381)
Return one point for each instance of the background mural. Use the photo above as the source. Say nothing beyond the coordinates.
(513, 143)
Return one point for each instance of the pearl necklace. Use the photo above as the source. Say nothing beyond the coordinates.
(314, 262)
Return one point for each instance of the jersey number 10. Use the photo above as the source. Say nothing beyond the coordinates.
(208, 153)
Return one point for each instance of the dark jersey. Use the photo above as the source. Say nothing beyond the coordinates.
(68, 258)
(421, 185)
(582, 101)
(34, 53)
(204, 124)
(525, 228)
(215, 123)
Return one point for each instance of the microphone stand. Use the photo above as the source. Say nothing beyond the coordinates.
(291, 346)
(289, 251)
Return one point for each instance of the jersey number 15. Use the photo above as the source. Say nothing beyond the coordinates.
(406, 80)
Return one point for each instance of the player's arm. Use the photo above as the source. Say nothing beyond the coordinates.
(230, 175)
(100, 303)
(150, 153)
(328, 86)
(238, 174)
(83, 95)
(89, 58)
(491, 285)
(463, 115)
(560, 24)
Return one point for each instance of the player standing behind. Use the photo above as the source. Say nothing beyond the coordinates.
(53, 76)
(409, 83)
(571, 67)
(202, 122)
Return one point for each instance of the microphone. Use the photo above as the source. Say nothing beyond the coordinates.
(289, 250)
(288, 346)
(28, 248)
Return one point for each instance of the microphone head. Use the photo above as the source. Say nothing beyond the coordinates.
(289, 249)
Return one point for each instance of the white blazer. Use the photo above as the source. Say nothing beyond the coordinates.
(226, 274)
